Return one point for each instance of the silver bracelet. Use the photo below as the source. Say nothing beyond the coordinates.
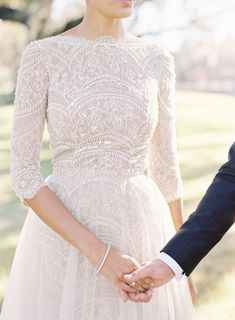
(98, 268)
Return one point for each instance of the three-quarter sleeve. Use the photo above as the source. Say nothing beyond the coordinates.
(163, 165)
(28, 123)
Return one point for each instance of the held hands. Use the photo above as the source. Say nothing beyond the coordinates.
(157, 270)
(136, 281)
(160, 274)
(116, 266)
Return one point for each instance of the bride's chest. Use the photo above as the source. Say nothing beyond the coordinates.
(102, 90)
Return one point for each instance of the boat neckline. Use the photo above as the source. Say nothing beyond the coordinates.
(102, 39)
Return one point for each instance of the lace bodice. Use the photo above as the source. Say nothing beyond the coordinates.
(109, 106)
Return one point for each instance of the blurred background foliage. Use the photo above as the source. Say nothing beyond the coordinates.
(201, 36)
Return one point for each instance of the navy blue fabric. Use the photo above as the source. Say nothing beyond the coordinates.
(213, 217)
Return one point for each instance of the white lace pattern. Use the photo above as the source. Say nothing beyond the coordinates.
(109, 107)
(107, 102)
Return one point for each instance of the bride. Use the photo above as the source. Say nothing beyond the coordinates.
(108, 100)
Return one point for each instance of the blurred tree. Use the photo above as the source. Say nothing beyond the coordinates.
(33, 14)
(7, 13)
(36, 15)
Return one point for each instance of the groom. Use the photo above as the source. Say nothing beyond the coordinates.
(205, 227)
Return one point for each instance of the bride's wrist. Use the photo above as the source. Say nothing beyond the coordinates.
(91, 246)
(96, 252)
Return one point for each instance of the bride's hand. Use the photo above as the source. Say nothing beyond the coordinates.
(140, 296)
(116, 265)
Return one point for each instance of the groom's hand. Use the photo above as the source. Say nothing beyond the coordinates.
(159, 271)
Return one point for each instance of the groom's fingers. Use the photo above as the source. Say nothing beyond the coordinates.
(137, 274)
(144, 263)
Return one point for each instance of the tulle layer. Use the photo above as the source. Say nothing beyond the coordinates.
(51, 280)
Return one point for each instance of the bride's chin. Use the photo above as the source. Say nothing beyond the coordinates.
(125, 8)
(124, 13)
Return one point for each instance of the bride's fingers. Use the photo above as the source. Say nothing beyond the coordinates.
(124, 286)
(140, 285)
(148, 281)
(123, 294)
(137, 286)
(146, 297)
(140, 297)
(144, 284)
(134, 285)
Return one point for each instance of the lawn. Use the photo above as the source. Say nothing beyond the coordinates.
(205, 129)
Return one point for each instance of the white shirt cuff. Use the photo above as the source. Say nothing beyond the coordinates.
(175, 267)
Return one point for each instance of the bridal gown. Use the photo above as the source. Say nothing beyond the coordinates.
(109, 107)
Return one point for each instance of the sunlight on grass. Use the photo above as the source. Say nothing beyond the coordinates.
(220, 301)
(205, 130)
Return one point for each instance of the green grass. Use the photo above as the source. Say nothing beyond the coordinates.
(205, 129)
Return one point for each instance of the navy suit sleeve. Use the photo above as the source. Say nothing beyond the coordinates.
(213, 217)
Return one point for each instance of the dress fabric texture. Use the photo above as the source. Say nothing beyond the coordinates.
(109, 107)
